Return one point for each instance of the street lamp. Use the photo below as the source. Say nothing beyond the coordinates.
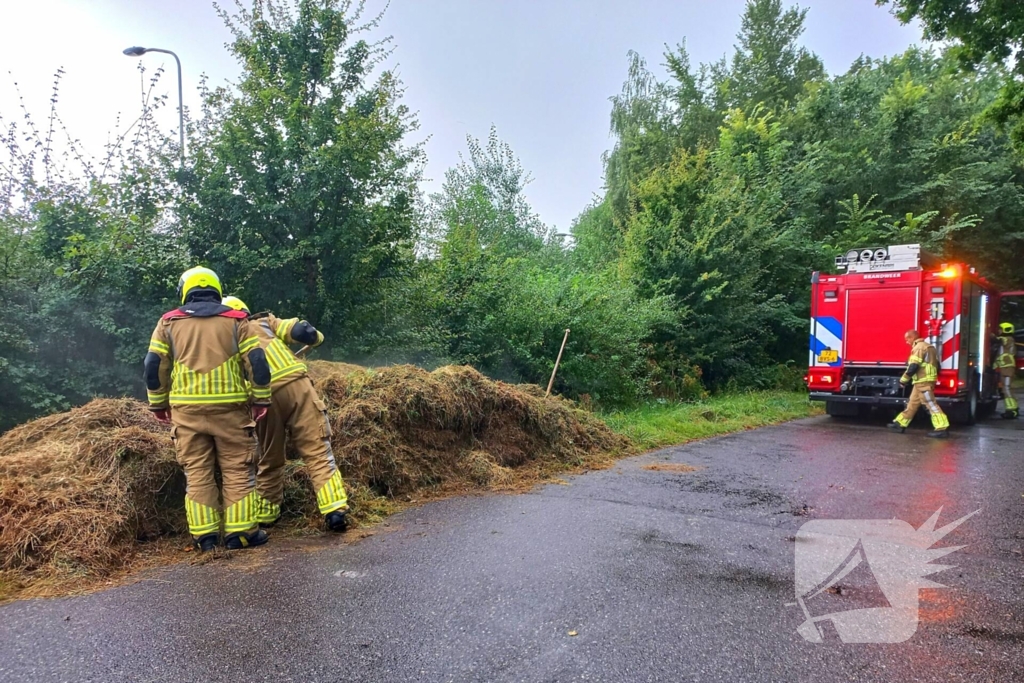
(138, 52)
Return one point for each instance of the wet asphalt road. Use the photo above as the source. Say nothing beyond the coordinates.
(664, 576)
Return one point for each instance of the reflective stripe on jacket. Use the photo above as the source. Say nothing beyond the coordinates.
(205, 360)
(1007, 356)
(926, 358)
(275, 335)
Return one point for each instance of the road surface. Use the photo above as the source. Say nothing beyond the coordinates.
(661, 575)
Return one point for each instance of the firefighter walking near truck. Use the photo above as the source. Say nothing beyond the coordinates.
(195, 373)
(1006, 365)
(922, 371)
(298, 409)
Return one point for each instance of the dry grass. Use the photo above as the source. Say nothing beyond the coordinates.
(676, 467)
(401, 429)
(80, 492)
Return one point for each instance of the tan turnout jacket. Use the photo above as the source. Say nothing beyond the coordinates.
(204, 361)
(1006, 359)
(274, 336)
(927, 360)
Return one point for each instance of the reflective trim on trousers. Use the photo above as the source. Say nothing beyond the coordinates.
(202, 519)
(1008, 398)
(332, 496)
(267, 512)
(241, 516)
(939, 419)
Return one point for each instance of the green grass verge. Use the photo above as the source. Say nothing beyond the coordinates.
(666, 424)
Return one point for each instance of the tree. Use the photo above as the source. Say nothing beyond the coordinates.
(301, 189)
(597, 243)
(651, 119)
(906, 131)
(642, 123)
(507, 288)
(713, 232)
(86, 263)
(699, 99)
(986, 31)
(769, 67)
(486, 191)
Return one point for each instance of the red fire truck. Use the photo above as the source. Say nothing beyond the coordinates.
(858, 319)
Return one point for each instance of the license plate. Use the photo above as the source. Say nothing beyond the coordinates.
(828, 356)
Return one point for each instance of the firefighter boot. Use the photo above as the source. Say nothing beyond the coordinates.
(939, 434)
(337, 521)
(206, 543)
(241, 539)
(896, 427)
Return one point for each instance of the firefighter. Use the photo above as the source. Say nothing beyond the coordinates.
(1006, 365)
(923, 371)
(297, 408)
(195, 372)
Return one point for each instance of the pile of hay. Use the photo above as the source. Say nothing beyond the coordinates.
(80, 490)
(401, 429)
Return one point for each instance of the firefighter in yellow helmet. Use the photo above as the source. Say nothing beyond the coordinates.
(195, 371)
(923, 371)
(1006, 365)
(299, 409)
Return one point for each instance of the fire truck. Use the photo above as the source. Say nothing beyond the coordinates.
(859, 317)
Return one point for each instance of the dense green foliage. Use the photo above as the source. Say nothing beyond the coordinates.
(726, 203)
(727, 184)
(984, 31)
(85, 264)
(300, 188)
(507, 289)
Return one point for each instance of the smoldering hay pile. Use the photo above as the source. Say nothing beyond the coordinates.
(80, 492)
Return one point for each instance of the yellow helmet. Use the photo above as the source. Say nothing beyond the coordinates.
(235, 303)
(1007, 328)
(197, 277)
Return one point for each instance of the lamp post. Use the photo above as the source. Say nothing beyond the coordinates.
(138, 52)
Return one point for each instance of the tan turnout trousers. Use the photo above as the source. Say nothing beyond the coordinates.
(923, 394)
(217, 436)
(297, 408)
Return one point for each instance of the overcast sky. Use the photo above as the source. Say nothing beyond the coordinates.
(540, 70)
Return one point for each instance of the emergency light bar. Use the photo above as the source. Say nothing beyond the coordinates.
(881, 259)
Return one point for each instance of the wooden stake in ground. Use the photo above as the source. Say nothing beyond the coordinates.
(558, 360)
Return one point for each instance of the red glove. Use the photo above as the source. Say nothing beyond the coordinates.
(258, 413)
(163, 415)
